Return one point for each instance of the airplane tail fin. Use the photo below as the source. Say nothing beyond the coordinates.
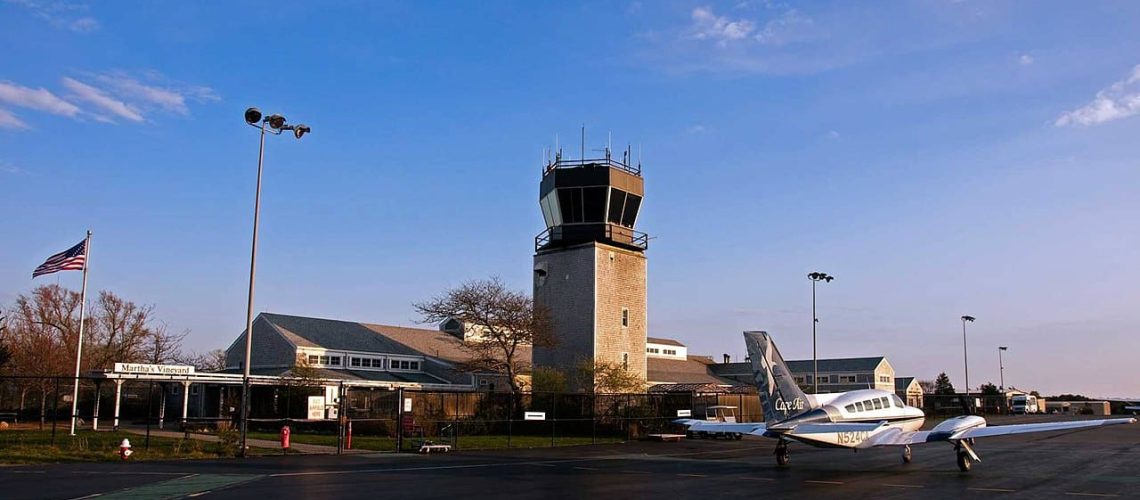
(780, 396)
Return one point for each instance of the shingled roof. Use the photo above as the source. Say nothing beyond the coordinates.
(693, 370)
(656, 340)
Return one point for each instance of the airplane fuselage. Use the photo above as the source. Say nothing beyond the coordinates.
(868, 406)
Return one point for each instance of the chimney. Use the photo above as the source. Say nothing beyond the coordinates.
(727, 359)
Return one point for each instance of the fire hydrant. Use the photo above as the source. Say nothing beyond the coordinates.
(125, 449)
(285, 437)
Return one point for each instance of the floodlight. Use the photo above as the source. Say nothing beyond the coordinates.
(252, 116)
(276, 121)
(300, 130)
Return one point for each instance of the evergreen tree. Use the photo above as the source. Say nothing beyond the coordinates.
(942, 385)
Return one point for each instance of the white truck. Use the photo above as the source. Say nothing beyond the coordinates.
(1024, 404)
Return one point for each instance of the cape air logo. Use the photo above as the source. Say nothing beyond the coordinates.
(796, 405)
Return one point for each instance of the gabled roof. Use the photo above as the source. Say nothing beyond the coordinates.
(693, 370)
(902, 383)
(655, 340)
(365, 337)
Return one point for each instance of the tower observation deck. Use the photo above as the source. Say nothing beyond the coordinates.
(591, 200)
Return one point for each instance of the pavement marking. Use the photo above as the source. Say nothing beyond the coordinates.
(1078, 494)
(693, 475)
(585, 468)
(185, 486)
(756, 478)
(823, 482)
(537, 464)
(996, 490)
(635, 472)
(903, 485)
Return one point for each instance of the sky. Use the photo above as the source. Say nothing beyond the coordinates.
(939, 158)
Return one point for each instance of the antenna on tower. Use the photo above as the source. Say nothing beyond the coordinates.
(609, 143)
(583, 157)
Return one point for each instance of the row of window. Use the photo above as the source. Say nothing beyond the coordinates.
(842, 379)
(874, 404)
(654, 350)
(359, 362)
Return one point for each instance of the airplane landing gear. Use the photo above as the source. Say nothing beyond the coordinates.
(906, 455)
(964, 461)
(782, 454)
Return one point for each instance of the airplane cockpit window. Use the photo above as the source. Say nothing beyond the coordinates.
(898, 401)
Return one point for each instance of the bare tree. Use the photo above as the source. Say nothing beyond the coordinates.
(508, 319)
(607, 377)
(927, 386)
(211, 361)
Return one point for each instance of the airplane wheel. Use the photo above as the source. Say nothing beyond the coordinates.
(782, 457)
(738, 436)
(906, 455)
(964, 462)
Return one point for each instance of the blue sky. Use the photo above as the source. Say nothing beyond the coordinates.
(939, 158)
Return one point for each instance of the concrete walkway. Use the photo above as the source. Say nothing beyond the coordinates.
(316, 449)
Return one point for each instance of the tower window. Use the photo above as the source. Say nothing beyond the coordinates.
(625, 360)
(624, 317)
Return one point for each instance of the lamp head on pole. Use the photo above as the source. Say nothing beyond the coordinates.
(300, 130)
(276, 121)
(252, 116)
(968, 318)
(1003, 348)
(817, 276)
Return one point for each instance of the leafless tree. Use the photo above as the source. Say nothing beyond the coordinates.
(211, 361)
(508, 319)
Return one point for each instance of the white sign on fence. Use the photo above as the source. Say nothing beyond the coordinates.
(534, 415)
(407, 404)
(316, 407)
(684, 413)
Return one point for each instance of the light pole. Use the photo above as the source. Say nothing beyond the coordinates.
(815, 277)
(1001, 367)
(965, 355)
(276, 125)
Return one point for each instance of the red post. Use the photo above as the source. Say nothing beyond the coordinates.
(285, 437)
(348, 437)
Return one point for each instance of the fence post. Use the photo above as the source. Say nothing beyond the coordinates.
(55, 411)
(628, 417)
(149, 408)
(399, 419)
(340, 418)
(455, 423)
(510, 416)
(553, 417)
(593, 418)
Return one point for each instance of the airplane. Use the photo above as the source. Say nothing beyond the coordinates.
(859, 419)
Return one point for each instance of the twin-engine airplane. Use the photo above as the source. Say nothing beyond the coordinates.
(857, 419)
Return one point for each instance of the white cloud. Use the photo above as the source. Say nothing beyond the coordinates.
(1025, 60)
(171, 97)
(11, 121)
(102, 100)
(833, 135)
(697, 129)
(8, 168)
(790, 27)
(61, 14)
(709, 26)
(39, 99)
(1119, 100)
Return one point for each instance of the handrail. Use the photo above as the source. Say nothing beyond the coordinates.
(605, 162)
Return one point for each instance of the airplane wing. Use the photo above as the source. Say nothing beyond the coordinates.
(898, 437)
(1002, 430)
(755, 428)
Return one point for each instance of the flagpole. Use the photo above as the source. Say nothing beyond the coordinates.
(82, 320)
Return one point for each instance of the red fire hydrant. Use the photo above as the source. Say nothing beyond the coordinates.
(285, 437)
(125, 449)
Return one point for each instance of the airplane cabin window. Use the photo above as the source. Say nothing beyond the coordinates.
(886, 402)
(859, 406)
(878, 404)
(850, 408)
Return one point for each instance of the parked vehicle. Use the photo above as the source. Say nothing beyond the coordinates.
(1025, 404)
(718, 413)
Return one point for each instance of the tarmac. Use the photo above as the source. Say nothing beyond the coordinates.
(1096, 463)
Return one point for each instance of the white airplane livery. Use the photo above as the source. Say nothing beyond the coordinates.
(857, 419)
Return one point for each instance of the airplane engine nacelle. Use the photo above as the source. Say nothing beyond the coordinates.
(953, 426)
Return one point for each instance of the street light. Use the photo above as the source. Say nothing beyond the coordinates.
(1001, 367)
(965, 356)
(277, 125)
(815, 277)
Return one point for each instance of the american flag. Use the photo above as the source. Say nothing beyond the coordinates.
(72, 259)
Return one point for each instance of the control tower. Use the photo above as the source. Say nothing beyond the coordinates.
(590, 265)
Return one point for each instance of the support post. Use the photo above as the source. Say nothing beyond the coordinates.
(79, 344)
(161, 404)
(185, 402)
(118, 403)
(399, 420)
(95, 410)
